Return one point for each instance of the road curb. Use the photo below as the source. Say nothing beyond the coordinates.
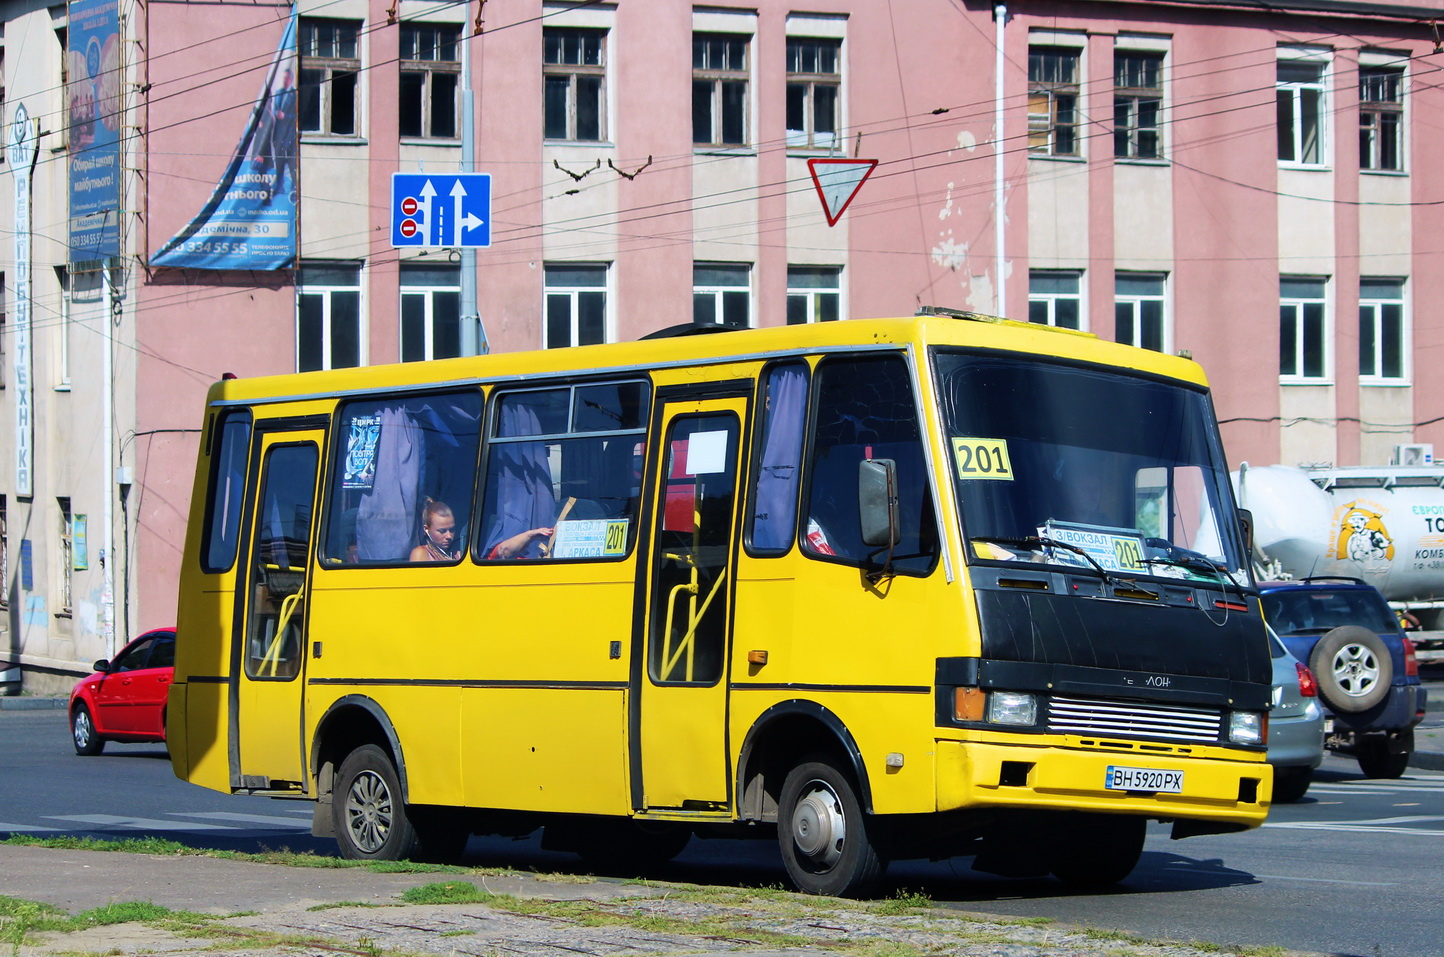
(25, 703)
(1427, 760)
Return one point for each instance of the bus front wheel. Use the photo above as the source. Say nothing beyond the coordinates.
(370, 818)
(823, 834)
(1097, 850)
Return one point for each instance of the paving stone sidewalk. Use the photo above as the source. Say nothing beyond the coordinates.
(283, 911)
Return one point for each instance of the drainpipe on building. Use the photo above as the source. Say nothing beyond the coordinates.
(473, 336)
(1000, 20)
(107, 524)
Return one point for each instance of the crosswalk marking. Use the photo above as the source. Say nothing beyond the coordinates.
(1357, 828)
(138, 823)
(268, 820)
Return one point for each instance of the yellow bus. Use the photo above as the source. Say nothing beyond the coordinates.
(936, 586)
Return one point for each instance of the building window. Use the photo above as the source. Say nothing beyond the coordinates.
(4, 331)
(576, 297)
(814, 294)
(814, 93)
(62, 350)
(1303, 339)
(1138, 310)
(1381, 118)
(430, 71)
(1055, 298)
(330, 67)
(722, 294)
(4, 557)
(719, 89)
(67, 555)
(430, 312)
(1053, 101)
(328, 317)
(1382, 333)
(1138, 105)
(574, 70)
(1300, 95)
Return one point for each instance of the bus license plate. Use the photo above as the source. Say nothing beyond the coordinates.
(1144, 779)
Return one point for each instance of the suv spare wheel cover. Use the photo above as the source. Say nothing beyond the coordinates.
(1353, 668)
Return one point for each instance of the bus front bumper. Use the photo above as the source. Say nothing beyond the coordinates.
(1226, 791)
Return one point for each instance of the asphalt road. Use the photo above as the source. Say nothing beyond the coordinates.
(1351, 870)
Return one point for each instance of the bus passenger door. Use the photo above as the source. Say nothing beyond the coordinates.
(266, 727)
(681, 725)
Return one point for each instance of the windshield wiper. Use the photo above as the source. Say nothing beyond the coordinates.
(1033, 543)
(1200, 563)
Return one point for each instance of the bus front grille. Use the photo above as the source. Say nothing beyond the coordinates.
(1133, 719)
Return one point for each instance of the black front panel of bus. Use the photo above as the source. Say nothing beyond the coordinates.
(1136, 649)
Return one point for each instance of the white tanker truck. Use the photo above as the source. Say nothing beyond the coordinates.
(1382, 524)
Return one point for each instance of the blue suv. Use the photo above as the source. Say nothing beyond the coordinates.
(1367, 674)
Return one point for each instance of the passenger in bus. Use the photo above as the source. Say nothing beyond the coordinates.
(516, 545)
(438, 534)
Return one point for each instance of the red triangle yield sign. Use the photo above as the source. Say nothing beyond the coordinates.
(837, 182)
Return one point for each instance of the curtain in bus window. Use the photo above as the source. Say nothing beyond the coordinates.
(449, 427)
(386, 513)
(775, 511)
(522, 489)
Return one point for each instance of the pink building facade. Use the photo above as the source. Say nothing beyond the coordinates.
(1248, 183)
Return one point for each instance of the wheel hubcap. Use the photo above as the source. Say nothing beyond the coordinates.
(818, 825)
(82, 729)
(368, 812)
(1356, 670)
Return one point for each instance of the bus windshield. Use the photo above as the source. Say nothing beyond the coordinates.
(1065, 465)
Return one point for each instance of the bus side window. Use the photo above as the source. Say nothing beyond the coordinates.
(865, 410)
(563, 472)
(227, 490)
(392, 455)
(773, 518)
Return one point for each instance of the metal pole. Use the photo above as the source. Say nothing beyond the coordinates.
(1000, 19)
(473, 336)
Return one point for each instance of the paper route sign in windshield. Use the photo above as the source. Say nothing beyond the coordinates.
(1115, 549)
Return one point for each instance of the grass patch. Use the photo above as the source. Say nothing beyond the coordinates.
(20, 918)
(1265, 950)
(316, 907)
(904, 902)
(448, 892)
(1113, 936)
(891, 948)
(165, 848)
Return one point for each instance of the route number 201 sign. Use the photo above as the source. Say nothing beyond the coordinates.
(982, 458)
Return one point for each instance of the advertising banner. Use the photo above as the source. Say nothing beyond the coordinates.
(94, 113)
(249, 222)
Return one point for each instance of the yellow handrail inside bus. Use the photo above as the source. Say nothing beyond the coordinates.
(273, 653)
(688, 642)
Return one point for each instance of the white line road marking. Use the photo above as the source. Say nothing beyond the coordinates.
(287, 822)
(139, 823)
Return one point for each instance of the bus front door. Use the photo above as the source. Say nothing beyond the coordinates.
(266, 718)
(682, 722)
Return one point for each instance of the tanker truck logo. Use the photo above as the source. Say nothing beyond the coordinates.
(1363, 537)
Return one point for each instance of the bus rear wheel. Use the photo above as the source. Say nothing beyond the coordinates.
(370, 819)
(823, 834)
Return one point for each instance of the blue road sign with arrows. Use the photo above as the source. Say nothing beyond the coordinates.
(440, 210)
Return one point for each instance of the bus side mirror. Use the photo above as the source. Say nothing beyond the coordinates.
(877, 502)
(1245, 524)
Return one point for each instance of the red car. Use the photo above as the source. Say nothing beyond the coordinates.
(125, 699)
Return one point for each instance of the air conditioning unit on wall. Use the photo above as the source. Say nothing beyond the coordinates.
(1419, 454)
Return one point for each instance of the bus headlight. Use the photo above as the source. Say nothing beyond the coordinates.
(1012, 707)
(1247, 727)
